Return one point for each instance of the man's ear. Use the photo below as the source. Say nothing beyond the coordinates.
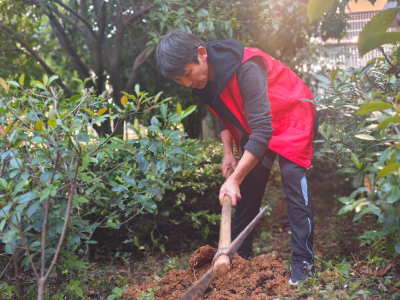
(202, 52)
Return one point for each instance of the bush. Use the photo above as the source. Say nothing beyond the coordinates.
(59, 182)
(360, 132)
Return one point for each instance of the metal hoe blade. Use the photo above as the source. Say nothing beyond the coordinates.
(198, 288)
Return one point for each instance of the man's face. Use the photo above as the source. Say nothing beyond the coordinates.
(195, 75)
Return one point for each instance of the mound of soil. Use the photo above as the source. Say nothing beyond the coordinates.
(263, 277)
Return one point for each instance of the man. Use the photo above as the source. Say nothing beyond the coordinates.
(259, 105)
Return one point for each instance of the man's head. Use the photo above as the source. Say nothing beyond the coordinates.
(183, 57)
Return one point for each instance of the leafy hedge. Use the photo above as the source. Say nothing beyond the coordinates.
(59, 182)
(361, 133)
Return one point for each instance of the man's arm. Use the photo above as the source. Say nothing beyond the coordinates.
(229, 160)
(231, 186)
(252, 80)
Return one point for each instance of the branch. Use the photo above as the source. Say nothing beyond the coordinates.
(387, 59)
(77, 15)
(64, 232)
(88, 37)
(202, 3)
(139, 61)
(80, 67)
(7, 266)
(110, 136)
(101, 15)
(138, 14)
(44, 226)
(36, 56)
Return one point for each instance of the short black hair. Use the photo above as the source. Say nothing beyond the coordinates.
(175, 50)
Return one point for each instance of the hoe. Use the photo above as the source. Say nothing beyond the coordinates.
(226, 249)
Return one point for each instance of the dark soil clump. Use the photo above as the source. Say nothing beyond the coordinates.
(263, 277)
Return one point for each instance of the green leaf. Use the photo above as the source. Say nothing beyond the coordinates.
(9, 235)
(82, 200)
(80, 264)
(85, 161)
(377, 40)
(129, 180)
(202, 12)
(78, 291)
(387, 121)
(394, 195)
(378, 25)
(188, 111)
(92, 113)
(367, 108)
(45, 193)
(3, 183)
(181, 11)
(179, 109)
(163, 109)
(2, 224)
(397, 247)
(210, 25)
(323, 79)
(14, 83)
(143, 164)
(355, 160)
(120, 188)
(154, 191)
(52, 114)
(154, 128)
(18, 187)
(91, 242)
(27, 197)
(60, 226)
(364, 211)
(22, 79)
(154, 121)
(45, 176)
(75, 97)
(365, 137)
(176, 165)
(33, 209)
(317, 8)
(202, 26)
(388, 169)
(52, 78)
(148, 204)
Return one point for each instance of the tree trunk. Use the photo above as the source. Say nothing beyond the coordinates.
(103, 129)
(42, 289)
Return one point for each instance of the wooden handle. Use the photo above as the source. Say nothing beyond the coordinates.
(222, 263)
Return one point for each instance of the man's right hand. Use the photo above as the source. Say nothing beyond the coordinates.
(228, 162)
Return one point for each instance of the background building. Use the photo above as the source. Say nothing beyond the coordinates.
(344, 53)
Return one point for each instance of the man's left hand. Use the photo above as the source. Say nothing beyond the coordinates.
(231, 189)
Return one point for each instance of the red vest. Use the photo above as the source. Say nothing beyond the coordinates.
(292, 118)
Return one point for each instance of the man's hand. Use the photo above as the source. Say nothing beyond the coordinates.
(231, 185)
(230, 188)
(228, 162)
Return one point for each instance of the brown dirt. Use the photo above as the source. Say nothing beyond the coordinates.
(262, 277)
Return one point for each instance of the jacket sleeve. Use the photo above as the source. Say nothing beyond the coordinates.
(252, 81)
(221, 126)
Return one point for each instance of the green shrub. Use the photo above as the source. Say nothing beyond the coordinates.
(361, 133)
(59, 181)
